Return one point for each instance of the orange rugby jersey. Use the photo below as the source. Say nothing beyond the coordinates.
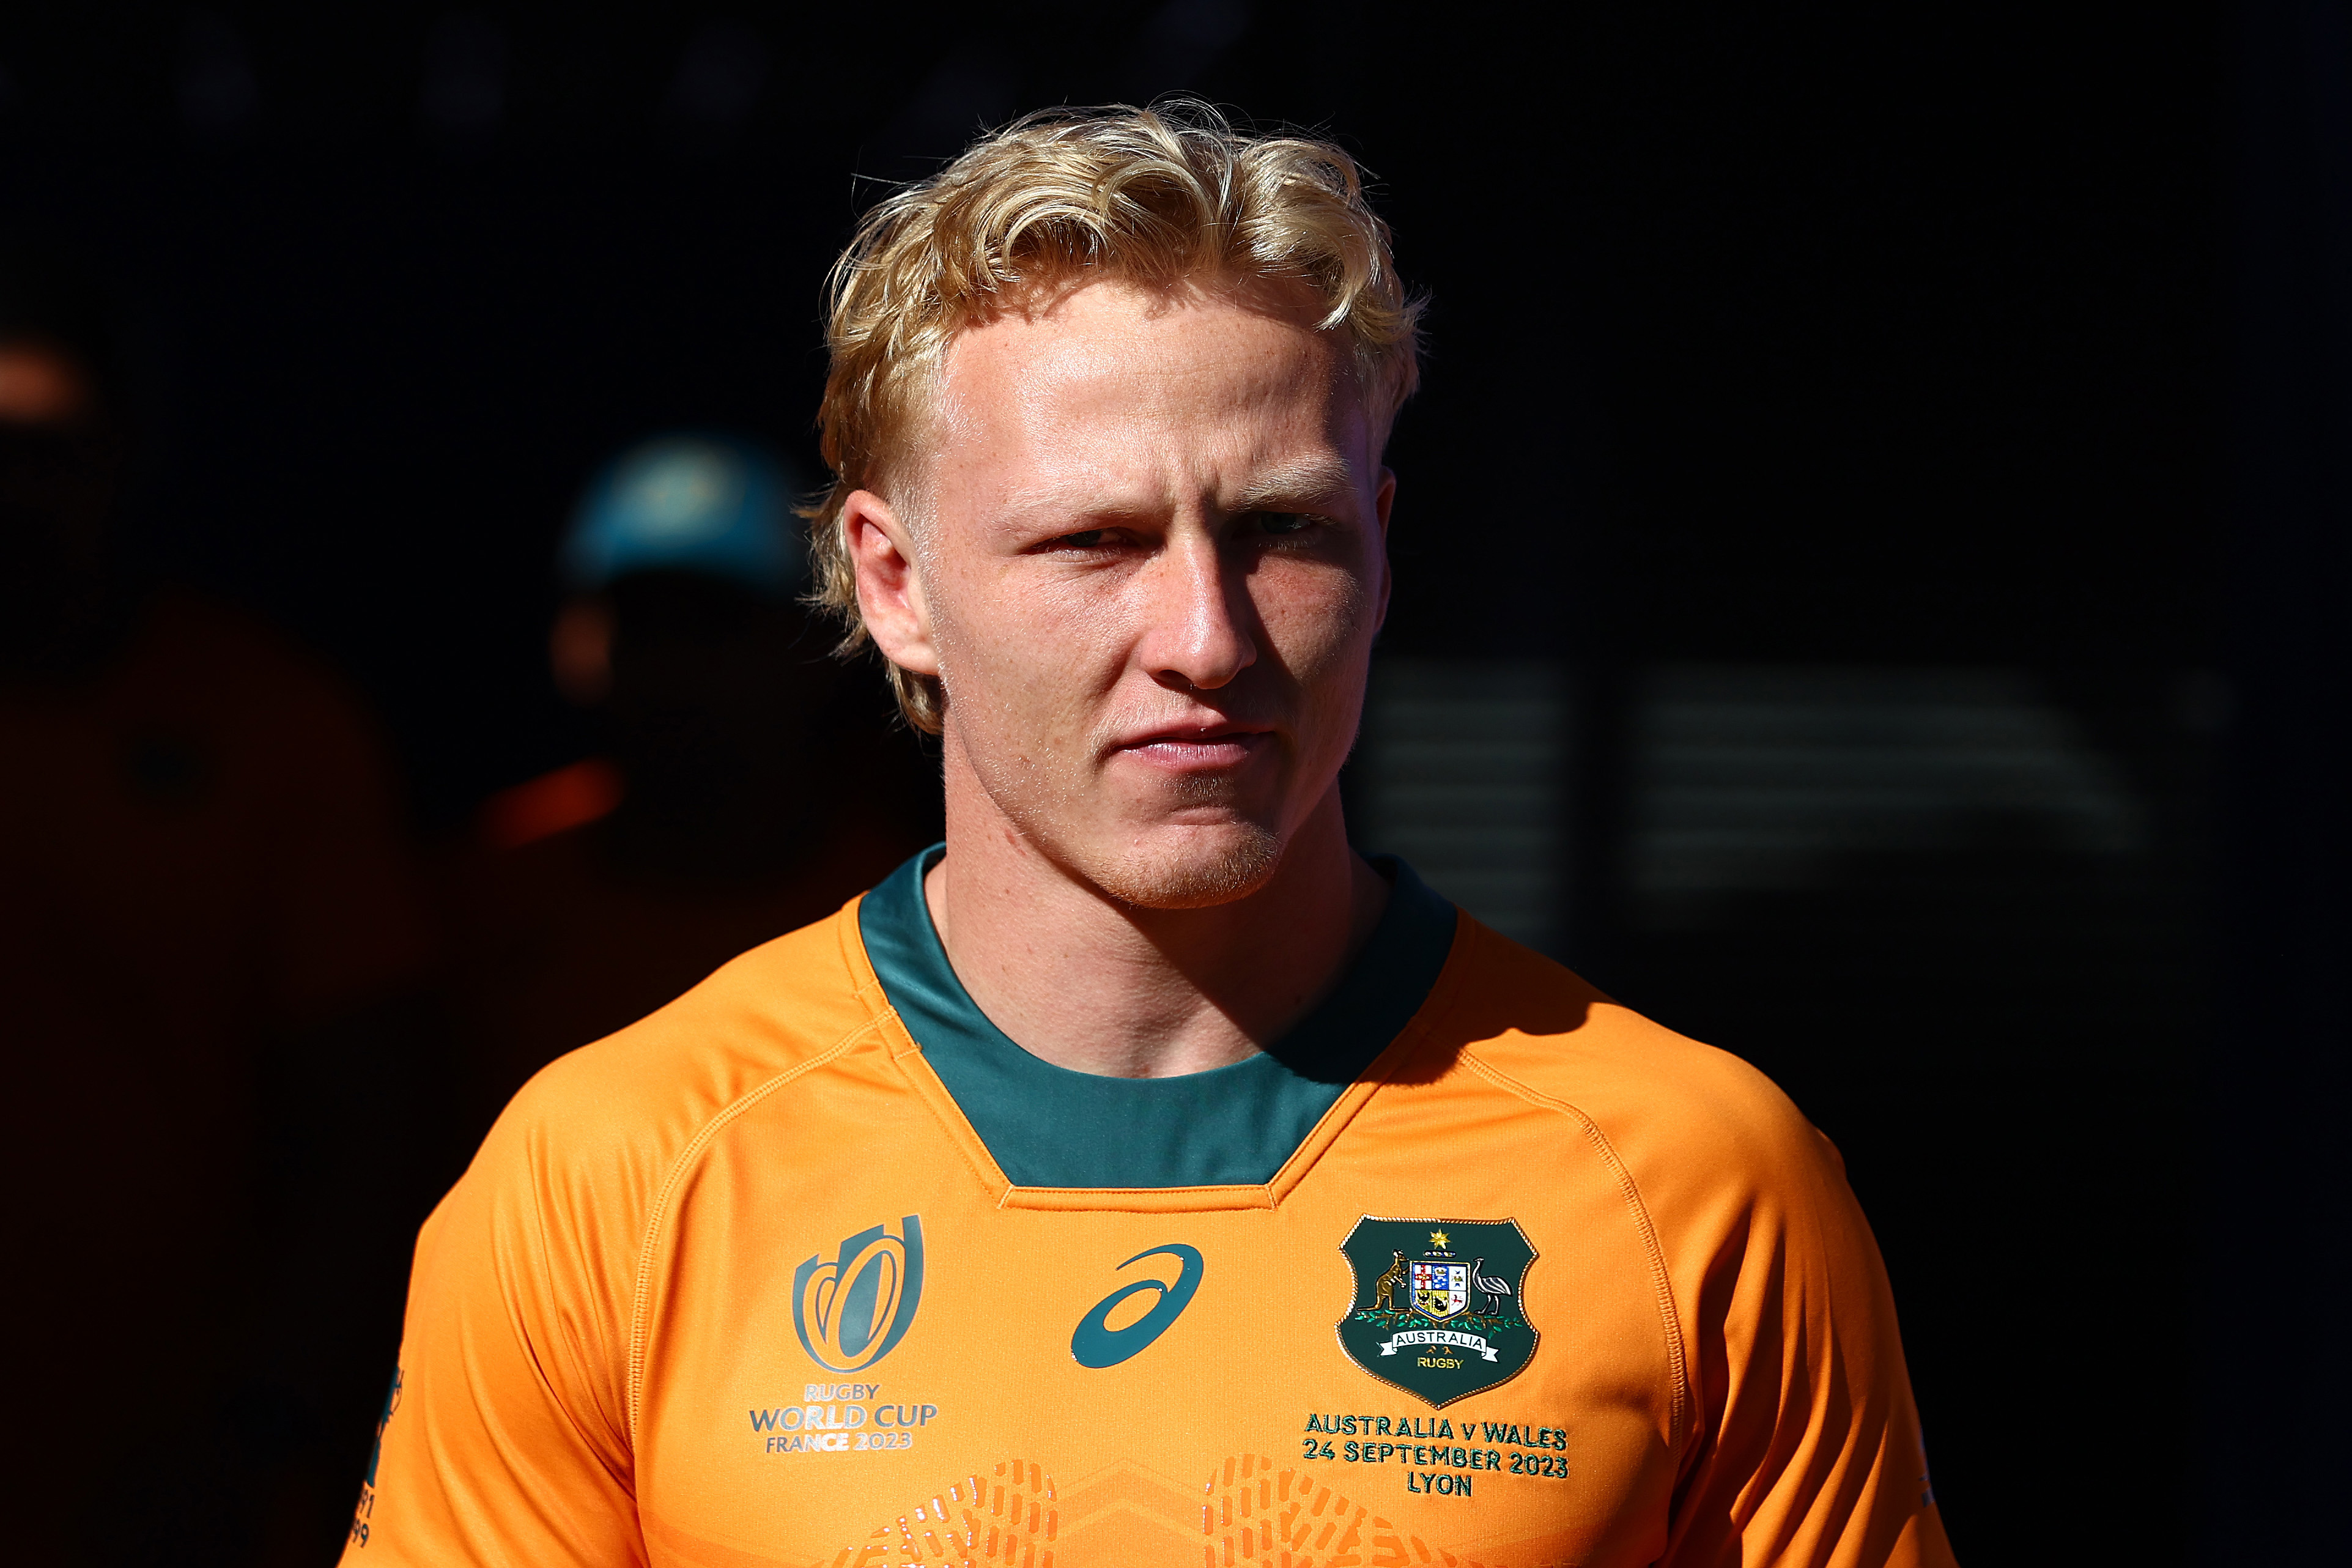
(813, 1266)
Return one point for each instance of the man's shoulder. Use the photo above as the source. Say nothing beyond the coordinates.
(785, 1006)
(1671, 1108)
(588, 1155)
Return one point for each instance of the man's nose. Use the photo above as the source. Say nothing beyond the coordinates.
(1200, 625)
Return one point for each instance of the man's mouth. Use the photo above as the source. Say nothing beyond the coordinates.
(1198, 748)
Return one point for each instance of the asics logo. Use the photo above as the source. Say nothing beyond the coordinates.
(1096, 1345)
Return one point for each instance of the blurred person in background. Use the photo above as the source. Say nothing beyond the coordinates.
(212, 942)
(742, 789)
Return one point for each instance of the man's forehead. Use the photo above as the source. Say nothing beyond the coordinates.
(1116, 350)
(1114, 382)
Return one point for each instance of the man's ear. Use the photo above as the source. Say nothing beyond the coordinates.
(889, 590)
(1382, 500)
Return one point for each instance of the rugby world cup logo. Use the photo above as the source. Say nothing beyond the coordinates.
(854, 1310)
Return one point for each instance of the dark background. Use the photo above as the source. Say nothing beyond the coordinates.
(1879, 337)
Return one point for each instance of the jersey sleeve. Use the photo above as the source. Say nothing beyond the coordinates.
(505, 1438)
(1806, 1448)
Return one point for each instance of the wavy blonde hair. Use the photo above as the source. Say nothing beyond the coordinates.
(1157, 197)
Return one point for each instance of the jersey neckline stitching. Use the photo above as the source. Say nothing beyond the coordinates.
(1268, 1196)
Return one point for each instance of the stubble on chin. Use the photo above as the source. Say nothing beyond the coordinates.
(1163, 865)
(1153, 865)
(1200, 869)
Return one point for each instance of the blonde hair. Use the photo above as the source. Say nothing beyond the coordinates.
(1157, 197)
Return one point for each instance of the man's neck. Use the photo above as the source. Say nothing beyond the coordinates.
(1096, 986)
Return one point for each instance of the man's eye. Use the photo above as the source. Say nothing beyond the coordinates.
(1283, 523)
(1084, 539)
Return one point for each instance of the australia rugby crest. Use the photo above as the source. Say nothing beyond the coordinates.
(1440, 1309)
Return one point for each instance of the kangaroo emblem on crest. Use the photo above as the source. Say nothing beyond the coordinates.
(1384, 1289)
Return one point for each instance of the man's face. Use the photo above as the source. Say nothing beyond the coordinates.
(1149, 561)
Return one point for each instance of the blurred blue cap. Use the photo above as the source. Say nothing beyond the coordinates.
(688, 503)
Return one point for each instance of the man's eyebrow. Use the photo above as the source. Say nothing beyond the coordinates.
(1074, 498)
(1293, 483)
(1308, 479)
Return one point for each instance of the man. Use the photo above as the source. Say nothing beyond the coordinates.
(739, 789)
(1146, 1178)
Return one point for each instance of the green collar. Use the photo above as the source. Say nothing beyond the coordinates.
(1050, 1127)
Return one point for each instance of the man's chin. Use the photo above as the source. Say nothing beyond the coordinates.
(1190, 867)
